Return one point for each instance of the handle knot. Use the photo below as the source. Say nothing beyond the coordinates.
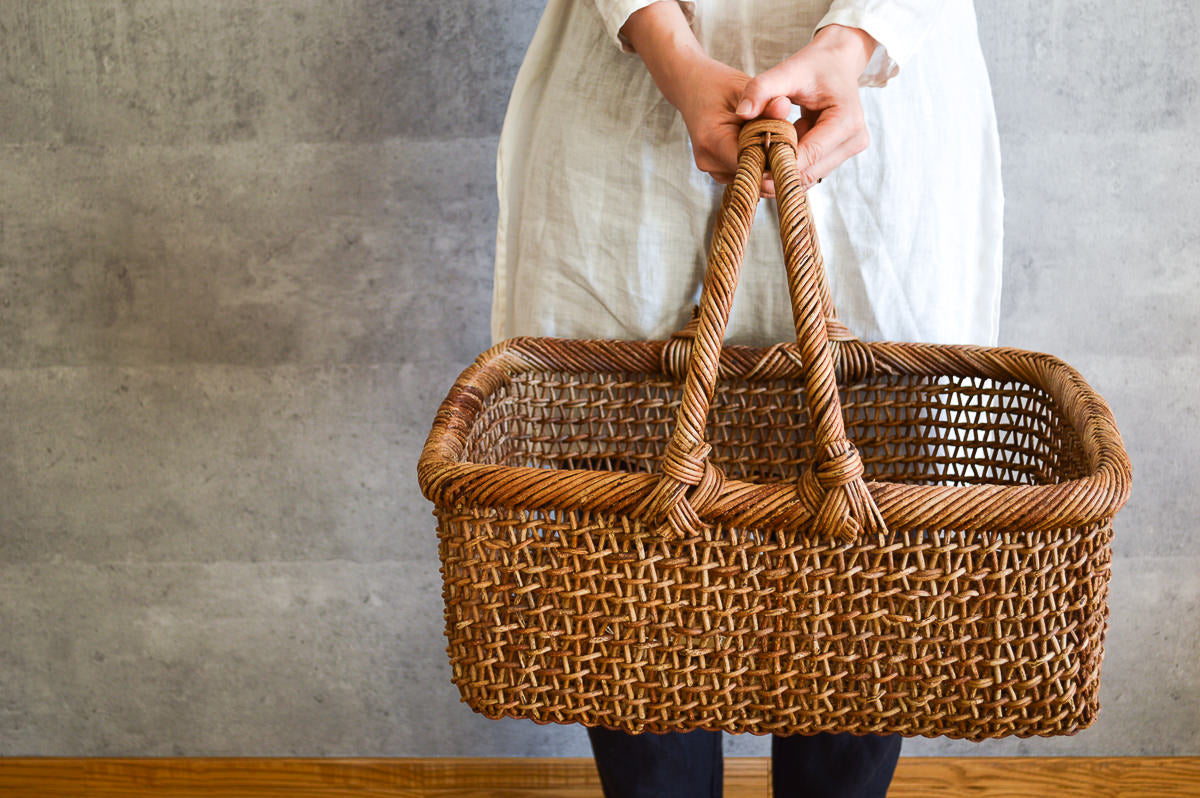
(694, 484)
(686, 467)
(834, 491)
(841, 466)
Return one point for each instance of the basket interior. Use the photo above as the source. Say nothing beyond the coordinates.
(909, 429)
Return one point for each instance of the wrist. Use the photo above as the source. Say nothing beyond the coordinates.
(694, 77)
(853, 47)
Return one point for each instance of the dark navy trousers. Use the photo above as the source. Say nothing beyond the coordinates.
(689, 765)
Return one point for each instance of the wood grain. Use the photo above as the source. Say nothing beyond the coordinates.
(1141, 777)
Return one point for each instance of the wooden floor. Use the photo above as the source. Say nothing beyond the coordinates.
(564, 778)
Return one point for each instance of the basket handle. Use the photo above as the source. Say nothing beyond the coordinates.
(832, 487)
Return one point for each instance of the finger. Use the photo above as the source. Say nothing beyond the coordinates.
(778, 108)
(804, 123)
(822, 169)
(812, 174)
(721, 160)
(826, 166)
(827, 140)
(763, 89)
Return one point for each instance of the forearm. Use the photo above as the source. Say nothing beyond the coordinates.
(660, 35)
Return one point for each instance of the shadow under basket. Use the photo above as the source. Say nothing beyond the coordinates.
(979, 613)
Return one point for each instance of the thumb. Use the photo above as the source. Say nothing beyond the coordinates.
(765, 94)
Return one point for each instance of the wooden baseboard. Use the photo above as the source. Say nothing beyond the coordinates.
(1134, 777)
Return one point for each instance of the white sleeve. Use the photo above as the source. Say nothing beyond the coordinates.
(898, 26)
(614, 13)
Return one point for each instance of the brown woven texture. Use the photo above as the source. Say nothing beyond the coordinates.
(827, 535)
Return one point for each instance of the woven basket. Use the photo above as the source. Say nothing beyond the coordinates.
(669, 535)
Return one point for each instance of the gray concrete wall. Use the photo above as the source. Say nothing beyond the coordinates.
(245, 246)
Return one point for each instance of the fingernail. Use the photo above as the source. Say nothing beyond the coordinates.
(744, 108)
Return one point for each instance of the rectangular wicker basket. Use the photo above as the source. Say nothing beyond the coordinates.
(669, 535)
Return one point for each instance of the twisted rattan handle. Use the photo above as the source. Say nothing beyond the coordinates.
(832, 488)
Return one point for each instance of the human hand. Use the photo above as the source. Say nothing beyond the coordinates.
(821, 78)
(707, 102)
(704, 90)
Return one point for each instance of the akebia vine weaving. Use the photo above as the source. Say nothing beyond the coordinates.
(826, 535)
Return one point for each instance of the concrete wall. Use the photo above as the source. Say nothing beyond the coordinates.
(245, 246)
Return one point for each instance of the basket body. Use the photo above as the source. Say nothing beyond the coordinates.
(979, 613)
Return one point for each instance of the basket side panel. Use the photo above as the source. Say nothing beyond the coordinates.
(568, 617)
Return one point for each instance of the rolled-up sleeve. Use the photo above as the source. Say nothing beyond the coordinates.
(898, 26)
(614, 14)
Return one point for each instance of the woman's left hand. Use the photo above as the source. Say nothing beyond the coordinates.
(821, 78)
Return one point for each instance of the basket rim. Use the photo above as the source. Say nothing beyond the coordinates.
(448, 481)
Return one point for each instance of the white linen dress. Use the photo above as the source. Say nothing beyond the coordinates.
(604, 217)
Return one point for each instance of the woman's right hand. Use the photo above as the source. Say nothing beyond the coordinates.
(705, 91)
(708, 101)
